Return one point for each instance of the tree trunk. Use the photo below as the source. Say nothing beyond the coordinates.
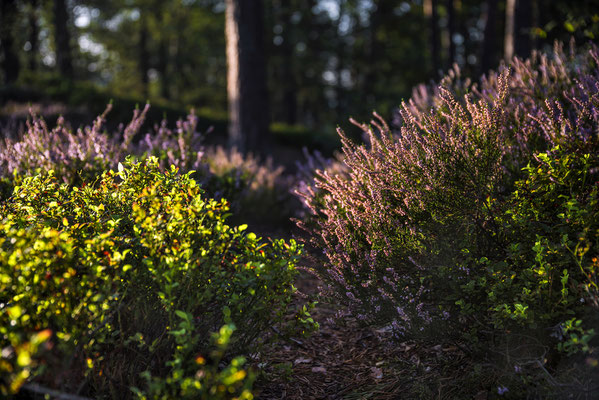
(163, 53)
(451, 23)
(508, 42)
(163, 57)
(490, 39)
(432, 15)
(144, 55)
(340, 56)
(523, 25)
(246, 76)
(179, 86)
(64, 59)
(33, 35)
(8, 17)
(287, 48)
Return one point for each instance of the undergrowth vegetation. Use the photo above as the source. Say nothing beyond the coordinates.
(136, 282)
(476, 220)
(82, 155)
(471, 222)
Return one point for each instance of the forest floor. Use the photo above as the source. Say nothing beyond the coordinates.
(343, 360)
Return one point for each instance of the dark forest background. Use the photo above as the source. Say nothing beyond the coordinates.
(326, 59)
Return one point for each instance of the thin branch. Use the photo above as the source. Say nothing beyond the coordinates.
(35, 388)
(297, 342)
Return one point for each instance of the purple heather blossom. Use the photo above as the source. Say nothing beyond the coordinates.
(501, 390)
(517, 369)
(376, 209)
(91, 149)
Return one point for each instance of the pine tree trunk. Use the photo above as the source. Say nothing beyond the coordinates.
(144, 56)
(33, 35)
(64, 59)
(508, 42)
(340, 56)
(523, 25)
(451, 27)
(490, 39)
(8, 17)
(290, 90)
(163, 58)
(246, 76)
(432, 15)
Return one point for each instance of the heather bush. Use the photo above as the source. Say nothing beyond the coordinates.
(253, 185)
(181, 147)
(74, 157)
(437, 228)
(542, 88)
(379, 223)
(99, 284)
(303, 186)
(244, 181)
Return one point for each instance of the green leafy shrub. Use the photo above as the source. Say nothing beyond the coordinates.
(82, 155)
(245, 181)
(133, 275)
(549, 228)
(539, 284)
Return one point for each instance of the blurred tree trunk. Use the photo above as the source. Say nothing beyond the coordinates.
(432, 16)
(64, 59)
(289, 96)
(246, 76)
(451, 27)
(341, 49)
(33, 35)
(508, 41)
(180, 24)
(8, 17)
(163, 54)
(487, 60)
(523, 26)
(144, 54)
(373, 52)
(163, 58)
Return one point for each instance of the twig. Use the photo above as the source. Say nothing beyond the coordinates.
(298, 342)
(35, 388)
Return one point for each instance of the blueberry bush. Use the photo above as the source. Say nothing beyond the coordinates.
(82, 155)
(135, 280)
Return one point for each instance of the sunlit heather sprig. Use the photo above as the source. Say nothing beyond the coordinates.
(182, 147)
(543, 87)
(243, 180)
(303, 186)
(135, 125)
(417, 193)
(253, 184)
(87, 150)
